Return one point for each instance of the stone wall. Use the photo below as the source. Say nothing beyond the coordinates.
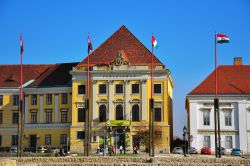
(115, 161)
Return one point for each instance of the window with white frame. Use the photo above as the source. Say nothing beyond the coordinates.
(33, 117)
(48, 116)
(64, 98)
(49, 99)
(64, 116)
(206, 141)
(15, 100)
(206, 117)
(33, 99)
(135, 88)
(228, 117)
(158, 114)
(119, 88)
(15, 118)
(228, 142)
(48, 139)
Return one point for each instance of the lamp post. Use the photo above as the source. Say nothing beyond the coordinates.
(37, 137)
(109, 129)
(67, 144)
(184, 138)
(104, 144)
(115, 133)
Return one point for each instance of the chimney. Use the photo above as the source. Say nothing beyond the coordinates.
(238, 61)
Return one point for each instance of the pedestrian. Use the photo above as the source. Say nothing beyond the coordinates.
(136, 149)
(121, 149)
(113, 149)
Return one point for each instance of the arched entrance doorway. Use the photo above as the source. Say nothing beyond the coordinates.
(120, 138)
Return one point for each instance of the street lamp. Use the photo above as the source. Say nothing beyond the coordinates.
(184, 138)
(37, 137)
(104, 143)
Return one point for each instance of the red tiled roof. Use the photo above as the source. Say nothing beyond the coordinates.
(10, 74)
(56, 75)
(122, 40)
(231, 80)
(44, 75)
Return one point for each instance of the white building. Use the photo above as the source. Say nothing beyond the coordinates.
(234, 97)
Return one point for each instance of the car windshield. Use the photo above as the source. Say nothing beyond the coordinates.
(236, 149)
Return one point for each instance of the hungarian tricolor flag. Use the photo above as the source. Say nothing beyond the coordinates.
(22, 45)
(222, 38)
(89, 45)
(154, 42)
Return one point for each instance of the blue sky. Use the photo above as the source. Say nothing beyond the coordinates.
(55, 31)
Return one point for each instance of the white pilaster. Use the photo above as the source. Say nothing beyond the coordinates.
(111, 98)
(127, 94)
(26, 118)
(243, 125)
(70, 108)
(94, 93)
(56, 108)
(193, 125)
(41, 109)
(144, 100)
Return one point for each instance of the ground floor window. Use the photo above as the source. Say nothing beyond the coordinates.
(47, 139)
(228, 142)
(63, 139)
(80, 134)
(157, 114)
(14, 140)
(206, 142)
(1, 140)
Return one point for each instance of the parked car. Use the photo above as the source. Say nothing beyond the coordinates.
(55, 149)
(13, 148)
(178, 150)
(236, 152)
(222, 151)
(42, 149)
(206, 150)
(192, 150)
(30, 149)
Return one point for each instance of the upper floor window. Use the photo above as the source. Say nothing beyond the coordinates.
(81, 89)
(48, 116)
(81, 114)
(64, 116)
(1, 99)
(14, 117)
(33, 117)
(135, 113)
(49, 99)
(119, 112)
(135, 88)
(157, 88)
(33, 99)
(64, 98)
(102, 89)
(15, 99)
(102, 113)
(1, 117)
(158, 114)
(206, 117)
(119, 88)
(228, 117)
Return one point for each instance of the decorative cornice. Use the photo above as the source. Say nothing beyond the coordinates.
(223, 132)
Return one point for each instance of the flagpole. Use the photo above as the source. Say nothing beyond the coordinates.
(151, 113)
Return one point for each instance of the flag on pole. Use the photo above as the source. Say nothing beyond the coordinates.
(22, 45)
(90, 48)
(154, 42)
(221, 38)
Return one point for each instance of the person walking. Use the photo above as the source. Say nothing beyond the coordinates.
(121, 149)
(113, 149)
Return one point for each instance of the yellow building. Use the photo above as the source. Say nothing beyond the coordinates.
(120, 89)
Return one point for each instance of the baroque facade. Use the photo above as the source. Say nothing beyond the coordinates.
(120, 89)
(234, 108)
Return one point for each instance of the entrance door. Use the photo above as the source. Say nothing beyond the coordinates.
(120, 138)
(33, 141)
(248, 142)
